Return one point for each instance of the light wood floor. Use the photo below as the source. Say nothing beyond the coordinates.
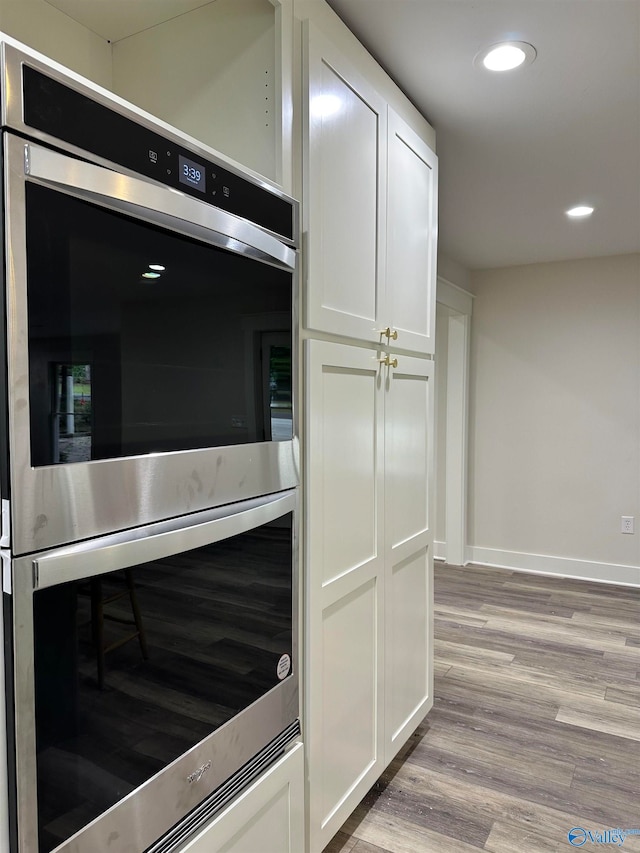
(535, 727)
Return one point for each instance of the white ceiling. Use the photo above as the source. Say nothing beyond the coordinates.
(516, 150)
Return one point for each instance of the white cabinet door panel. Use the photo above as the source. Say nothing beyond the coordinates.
(411, 237)
(345, 581)
(348, 161)
(345, 171)
(349, 466)
(408, 549)
(344, 458)
(408, 448)
(408, 648)
(350, 686)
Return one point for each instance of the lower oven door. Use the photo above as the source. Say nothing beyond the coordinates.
(148, 668)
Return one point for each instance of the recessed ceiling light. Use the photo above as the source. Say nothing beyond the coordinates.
(150, 275)
(506, 56)
(157, 267)
(580, 211)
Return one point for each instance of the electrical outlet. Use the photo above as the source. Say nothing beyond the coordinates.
(627, 524)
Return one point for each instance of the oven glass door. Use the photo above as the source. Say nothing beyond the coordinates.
(149, 343)
(143, 340)
(135, 666)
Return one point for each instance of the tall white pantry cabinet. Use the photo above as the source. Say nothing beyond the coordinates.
(369, 193)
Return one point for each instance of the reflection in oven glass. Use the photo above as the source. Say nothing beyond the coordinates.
(71, 438)
(142, 340)
(135, 667)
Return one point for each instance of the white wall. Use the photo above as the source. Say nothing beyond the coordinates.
(457, 274)
(45, 28)
(555, 417)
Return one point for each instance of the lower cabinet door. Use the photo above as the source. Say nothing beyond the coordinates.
(267, 818)
(369, 566)
(344, 582)
(408, 643)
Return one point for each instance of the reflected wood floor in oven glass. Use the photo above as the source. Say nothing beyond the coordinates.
(535, 727)
(216, 620)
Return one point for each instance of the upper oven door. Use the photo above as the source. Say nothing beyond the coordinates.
(148, 343)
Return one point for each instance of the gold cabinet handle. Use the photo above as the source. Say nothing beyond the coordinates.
(388, 362)
(389, 335)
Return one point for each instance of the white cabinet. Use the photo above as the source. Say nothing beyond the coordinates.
(369, 570)
(408, 548)
(268, 817)
(368, 181)
(344, 186)
(345, 576)
(370, 192)
(411, 224)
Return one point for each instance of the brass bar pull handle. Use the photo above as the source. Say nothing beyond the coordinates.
(389, 335)
(388, 362)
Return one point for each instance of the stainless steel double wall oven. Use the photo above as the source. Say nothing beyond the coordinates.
(149, 470)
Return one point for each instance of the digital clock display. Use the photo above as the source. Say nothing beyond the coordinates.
(191, 173)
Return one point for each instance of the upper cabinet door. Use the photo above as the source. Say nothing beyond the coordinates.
(344, 164)
(411, 238)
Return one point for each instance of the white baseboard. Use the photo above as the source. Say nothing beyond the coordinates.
(439, 550)
(541, 564)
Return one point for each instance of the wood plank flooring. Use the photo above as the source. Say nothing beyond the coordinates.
(535, 727)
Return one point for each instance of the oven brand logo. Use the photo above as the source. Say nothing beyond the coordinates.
(197, 775)
(578, 836)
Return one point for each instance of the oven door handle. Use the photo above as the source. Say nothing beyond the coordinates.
(158, 205)
(157, 541)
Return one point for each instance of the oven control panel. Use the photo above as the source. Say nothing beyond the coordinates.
(70, 116)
